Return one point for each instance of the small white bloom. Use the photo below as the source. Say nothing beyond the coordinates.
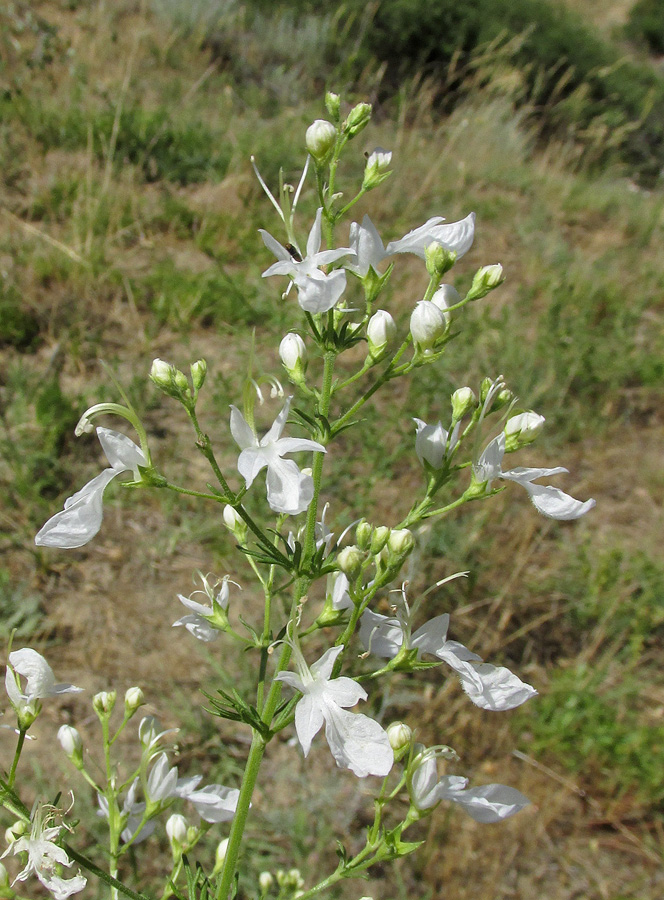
(357, 742)
(455, 236)
(317, 291)
(131, 815)
(522, 429)
(433, 443)
(176, 829)
(70, 740)
(400, 735)
(320, 138)
(82, 516)
(381, 331)
(45, 856)
(548, 500)
(489, 687)
(487, 804)
(293, 351)
(205, 622)
(446, 296)
(427, 324)
(289, 491)
(134, 698)
(366, 247)
(40, 682)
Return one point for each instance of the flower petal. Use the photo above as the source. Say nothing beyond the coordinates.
(556, 504)
(357, 742)
(489, 803)
(250, 462)
(381, 636)
(242, 433)
(289, 491)
(121, 451)
(81, 518)
(500, 688)
(308, 720)
(432, 636)
(314, 239)
(323, 667)
(274, 246)
(215, 803)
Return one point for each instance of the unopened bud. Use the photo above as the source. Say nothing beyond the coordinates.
(220, 856)
(485, 280)
(103, 702)
(198, 373)
(293, 353)
(265, 881)
(399, 735)
(427, 325)
(438, 259)
(522, 429)
(381, 330)
(71, 743)
(377, 168)
(400, 541)
(363, 534)
(446, 296)
(176, 829)
(350, 561)
(333, 104)
(357, 119)
(295, 878)
(134, 697)
(320, 139)
(379, 538)
(169, 379)
(463, 401)
(16, 831)
(235, 523)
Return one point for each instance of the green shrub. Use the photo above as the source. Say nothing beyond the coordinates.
(645, 24)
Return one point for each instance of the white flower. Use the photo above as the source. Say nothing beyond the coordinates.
(288, 490)
(381, 330)
(320, 138)
(433, 443)
(489, 687)
(205, 622)
(455, 236)
(131, 814)
(522, 429)
(548, 500)
(40, 680)
(427, 324)
(366, 246)
(486, 804)
(214, 803)
(45, 856)
(357, 742)
(81, 518)
(317, 291)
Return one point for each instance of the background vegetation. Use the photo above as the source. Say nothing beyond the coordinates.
(128, 230)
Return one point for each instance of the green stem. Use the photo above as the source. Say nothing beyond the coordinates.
(254, 759)
(19, 747)
(89, 866)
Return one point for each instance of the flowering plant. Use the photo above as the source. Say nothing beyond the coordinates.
(338, 290)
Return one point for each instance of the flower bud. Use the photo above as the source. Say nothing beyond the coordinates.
(379, 538)
(438, 259)
(463, 401)
(446, 296)
(169, 379)
(357, 119)
(522, 429)
(320, 139)
(198, 373)
(427, 325)
(293, 353)
(295, 878)
(16, 831)
(485, 280)
(235, 523)
(103, 702)
(265, 881)
(71, 743)
(381, 330)
(363, 534)
(4, 881)
(333, 104)
(400, 541)
(350, 561)
(399, 735)
(220, 854)
(134, 698)
(176, 829)
(377, 168)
